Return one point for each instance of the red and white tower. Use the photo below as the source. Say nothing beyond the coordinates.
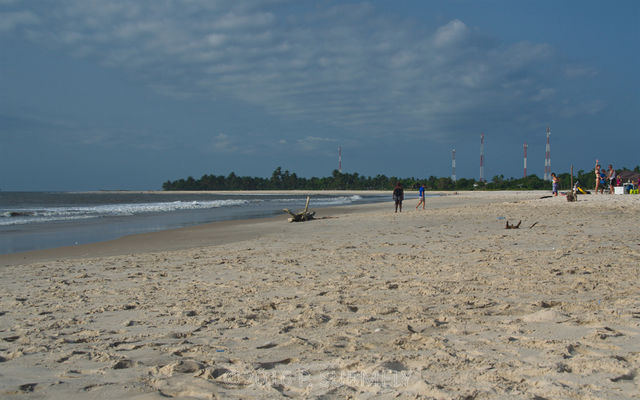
(482, 157)
(525, 159)
(547, 158)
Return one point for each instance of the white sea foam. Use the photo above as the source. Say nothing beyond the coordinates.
(341, 200)
(38, 220)
(322, 201)
(52, 214)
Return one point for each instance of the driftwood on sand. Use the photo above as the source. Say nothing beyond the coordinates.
(517, 226)
(513, 226)
(301, 216)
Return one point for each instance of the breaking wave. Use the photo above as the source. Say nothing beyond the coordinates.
(53, 214)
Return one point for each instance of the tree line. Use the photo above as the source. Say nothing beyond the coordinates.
(285, 180)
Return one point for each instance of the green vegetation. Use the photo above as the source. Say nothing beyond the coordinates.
(285, 180)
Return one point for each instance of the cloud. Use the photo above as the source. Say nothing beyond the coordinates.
(543, 94)
(234, 21)
(346, 66)
(12, 20)
(216, 39)
(313, 143)
(577, 71)
(571, 109)
(223, 143)
(450, 34)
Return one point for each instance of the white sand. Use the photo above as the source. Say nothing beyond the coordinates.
(443, 303)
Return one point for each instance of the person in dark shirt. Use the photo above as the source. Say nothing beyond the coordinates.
(398, 196)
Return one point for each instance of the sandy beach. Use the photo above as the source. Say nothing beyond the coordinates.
(442, 303)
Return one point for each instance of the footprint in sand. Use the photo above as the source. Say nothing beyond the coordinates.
(182, 367)
(545, 315)
(28, 387)
(124, 364)
(272, 364)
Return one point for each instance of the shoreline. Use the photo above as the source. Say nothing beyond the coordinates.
(208, 234)
(219, 232)
(186, 237)
(245, 192)
(228, 231)
(129, 227)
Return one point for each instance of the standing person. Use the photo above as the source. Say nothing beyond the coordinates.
(398, 196)
(612, 178)
(603, 179)
(421, 195)
(554, 187)
(597, 172)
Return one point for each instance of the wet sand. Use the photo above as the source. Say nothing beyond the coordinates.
(443, 303)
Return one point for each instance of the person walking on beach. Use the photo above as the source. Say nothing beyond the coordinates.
(398, 196)
(597, 172)
(554, 187)
(421, 195)
(612, 178)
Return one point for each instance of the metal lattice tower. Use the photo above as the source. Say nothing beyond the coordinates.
(340, 159)
(482, 157)
(453, 165)
(525, 159)
(547, 158)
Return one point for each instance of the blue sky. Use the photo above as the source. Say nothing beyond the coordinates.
(105, 94)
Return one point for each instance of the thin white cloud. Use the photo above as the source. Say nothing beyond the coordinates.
(313, 143)
(223, 143)
(234, 21)
(216, 39)
(575, 71)
(450, 34)
(543, 94)
(12, 20)
(233, 144)
(571, 109)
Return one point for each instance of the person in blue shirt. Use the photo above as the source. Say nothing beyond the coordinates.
(421, 195)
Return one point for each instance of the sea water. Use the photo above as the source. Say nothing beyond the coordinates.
(41, 220)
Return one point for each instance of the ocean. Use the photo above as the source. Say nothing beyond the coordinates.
(41, 220)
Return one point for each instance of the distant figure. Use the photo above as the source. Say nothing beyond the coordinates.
(618, 181)
(398, 196)
(554, 187)
(597, 171)
(603, 180)
(421, 195)
(612, 178)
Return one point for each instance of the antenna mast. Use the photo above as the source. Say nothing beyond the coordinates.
(547, 158)
(482, 157)
(453, 165)
(525, 159)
